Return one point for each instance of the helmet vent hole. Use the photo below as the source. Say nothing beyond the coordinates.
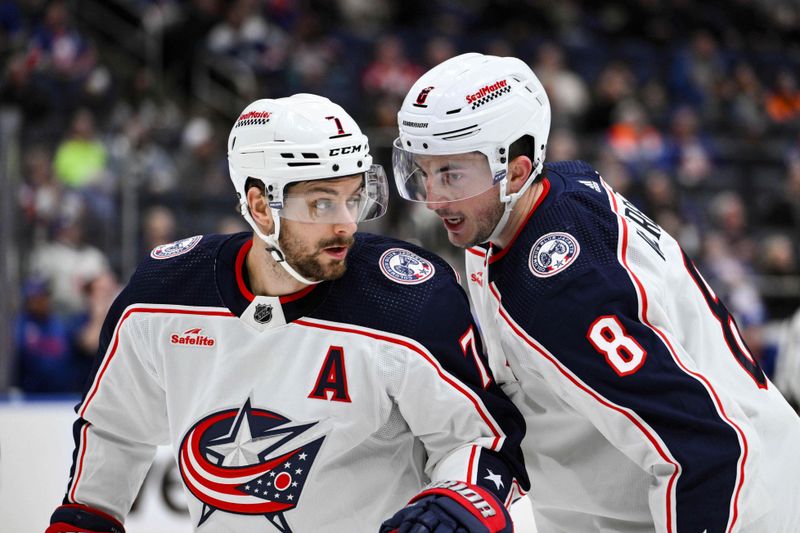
(286, 155)
(424, 145)
(454, 111)
(270, 187)
(310, 155)
(408, 143)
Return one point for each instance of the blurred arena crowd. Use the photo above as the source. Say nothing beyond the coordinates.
(118, 112)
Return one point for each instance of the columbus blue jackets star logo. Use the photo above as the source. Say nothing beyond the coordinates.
(227, 461)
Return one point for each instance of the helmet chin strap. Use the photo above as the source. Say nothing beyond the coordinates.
(510, 200)
(271, 240)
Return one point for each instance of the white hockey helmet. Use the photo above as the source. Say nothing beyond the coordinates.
(473, 106)
(295, 139)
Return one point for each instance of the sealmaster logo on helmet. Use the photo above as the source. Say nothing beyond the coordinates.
(487, 90)
(253, 117)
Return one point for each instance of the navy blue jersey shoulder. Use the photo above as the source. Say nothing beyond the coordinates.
(188, 278)
(577, 205)
(565, 311)
(185, 279)
(387, 287)
(401, 289)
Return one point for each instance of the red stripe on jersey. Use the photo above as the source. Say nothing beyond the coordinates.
(240, 257)
(732, 326)
(79, 466)
(696, 375)
(542, 196)
(470, 479)
(495, 430)
(476, 251)
(115, 343)
(110, 355)
(530, 342)
(297, 295)
(514, 488)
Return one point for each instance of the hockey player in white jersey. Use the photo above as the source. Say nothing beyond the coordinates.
(645, 411)
(308, 378)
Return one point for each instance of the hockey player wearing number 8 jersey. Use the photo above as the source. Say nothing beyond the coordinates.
(309, 378)
(645, 410)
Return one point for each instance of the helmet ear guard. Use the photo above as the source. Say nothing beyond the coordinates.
(474, 103)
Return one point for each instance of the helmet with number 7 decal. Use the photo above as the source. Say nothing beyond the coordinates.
(284, 141)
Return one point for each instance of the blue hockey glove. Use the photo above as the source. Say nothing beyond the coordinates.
(451, 507)
(82, 519)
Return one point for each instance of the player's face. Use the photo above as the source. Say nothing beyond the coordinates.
(472, 220)
(318, 250)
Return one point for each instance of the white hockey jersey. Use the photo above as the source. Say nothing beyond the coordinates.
(645, 410)
(326, 410)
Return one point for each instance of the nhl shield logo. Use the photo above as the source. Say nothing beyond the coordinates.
(553, 253)
(402, 266)
(263, 313)
(166, 251)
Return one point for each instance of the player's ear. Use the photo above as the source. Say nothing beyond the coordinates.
(519, 171)
(259, 209)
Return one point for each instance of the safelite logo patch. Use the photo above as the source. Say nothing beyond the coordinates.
(553, 253)
(192, 337)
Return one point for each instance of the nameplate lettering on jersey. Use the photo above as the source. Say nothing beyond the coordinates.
(648, 230)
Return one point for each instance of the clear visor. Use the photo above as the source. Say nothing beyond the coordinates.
(346, 200)
(441, 178)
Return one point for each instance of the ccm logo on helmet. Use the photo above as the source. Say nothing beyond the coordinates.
(345, 150)
(487, 89)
